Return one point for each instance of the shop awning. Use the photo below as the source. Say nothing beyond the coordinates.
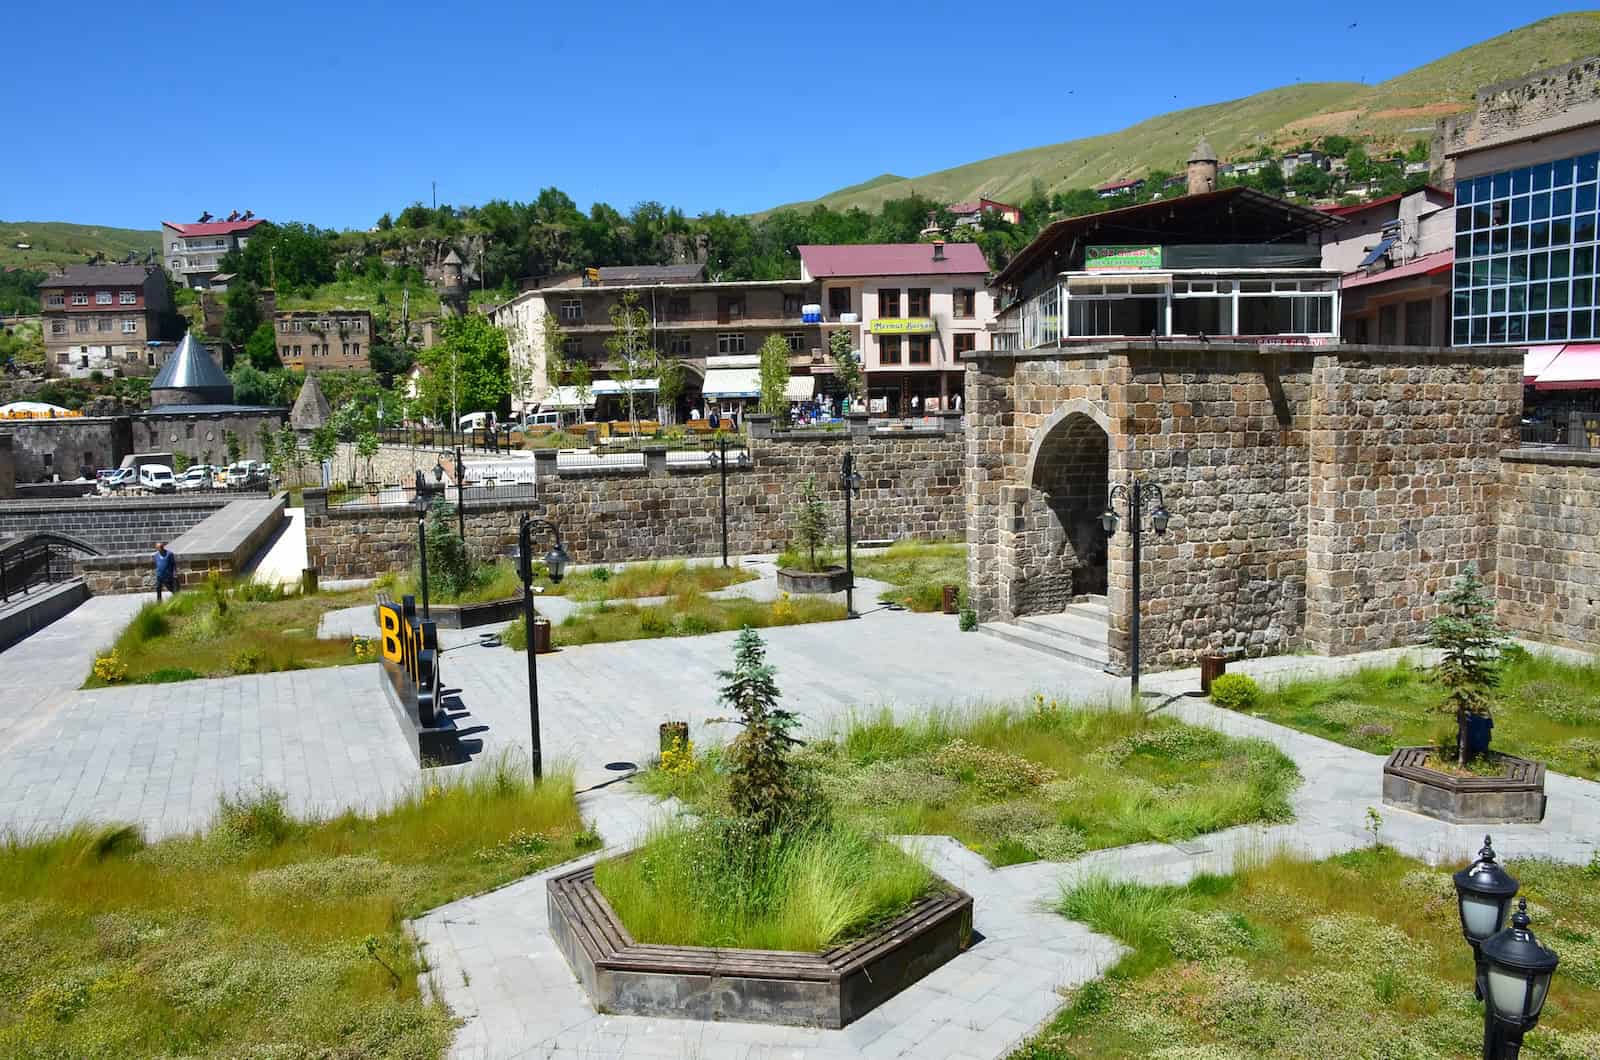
(564, 398)
(1536, 359)
(614, 387)
(732, 383)
(1576, 367)
(800, 388)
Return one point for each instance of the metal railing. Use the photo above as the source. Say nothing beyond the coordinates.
(495, 441)
(31, 563)
(1575, 430)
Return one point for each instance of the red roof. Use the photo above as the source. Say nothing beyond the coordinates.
(1439, 261)
(963, 208)
(1117, 185)
(890, 259)
(1361, 207)
(213, 228)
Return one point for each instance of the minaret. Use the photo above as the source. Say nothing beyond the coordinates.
(452, 286)
(1202, 168)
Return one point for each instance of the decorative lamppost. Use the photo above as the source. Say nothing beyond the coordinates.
(555, 562)
(720, 459)
(1513, 971)
(422, 539)
(461, 496)
(1134, 494)
(850, 482)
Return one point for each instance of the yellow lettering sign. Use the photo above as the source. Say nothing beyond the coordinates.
(389, 633)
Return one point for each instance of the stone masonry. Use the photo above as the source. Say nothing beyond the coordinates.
(1521, 106)
(911, 488)
(1547, 577)
(1294, 510)
(111, 524)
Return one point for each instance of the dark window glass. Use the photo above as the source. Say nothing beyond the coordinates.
(1586, 167)
(1497, 300)
(1480, 331)
(1583, 293)
(1536, 297)
(1519, 268)
(1561, 232)
(1541, 177)
(1519, 238)
(1497, 329)
(1558, 327)
(1536, 327)
(1460, 332)
(1497, 241)
(1502, 185)
(1558, 295)
(1480, 190)
(1518, 300)
(888, 301)
(1464, 219)
(919, 303)
(1516, 329)
(1582, 261)
(1541, 206)
(1480, 216)
(1583, 228)
(1463, 274)
(1561, 202)
(1464, 244)
(918, 352)
(1583, 199)
(1497, 270)
(889, 349)
(1539, 234)
(1580, 325)
(1520, 179)
(1480, 244)
(1562, 172)
(1480, 273)
(1463, 303)
(1480, 302)
(1559, 263)
(1519, 210)
(1463, 192)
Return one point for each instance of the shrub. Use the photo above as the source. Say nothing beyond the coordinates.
(969, 620)
(1235, 691)
(110, 668)
(993, 772)
(258, 820)
(1008, 818)
(1056, 842)
(679, 760)
(166, 675)
(245, 661)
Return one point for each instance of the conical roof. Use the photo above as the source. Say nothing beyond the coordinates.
(452, 258)
(1202, 152)
(189, 367)
(311, 409)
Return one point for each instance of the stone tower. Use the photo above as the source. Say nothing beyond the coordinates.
(452, 286)
(1202, 168)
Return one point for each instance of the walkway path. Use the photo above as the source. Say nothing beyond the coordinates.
(283, 558)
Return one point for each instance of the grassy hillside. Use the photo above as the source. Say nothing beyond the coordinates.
(57, 243)
(1393, 113)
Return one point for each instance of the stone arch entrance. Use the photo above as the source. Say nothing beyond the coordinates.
(1061, 553)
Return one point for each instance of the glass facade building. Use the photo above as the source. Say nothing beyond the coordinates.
(1525, 255)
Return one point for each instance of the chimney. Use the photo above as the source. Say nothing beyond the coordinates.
(938, 250)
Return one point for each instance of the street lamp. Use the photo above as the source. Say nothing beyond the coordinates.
(720, 460)
(461, 497)
(1513, 970)
(1134, 495)
(850, 482)
(555, 562)
(422, 539)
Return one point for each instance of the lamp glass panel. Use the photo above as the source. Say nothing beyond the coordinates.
(1507, 992)
(556, 561)
(1481, 916)
(1541, 986)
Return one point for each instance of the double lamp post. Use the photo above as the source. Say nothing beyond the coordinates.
(1134, 494)
(555, 562)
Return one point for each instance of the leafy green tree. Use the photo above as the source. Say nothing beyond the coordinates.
(367, 448)
(266, 441)
(254, 387)
(324, 444)
(261, 349)
(289, 452)
(235, 448)
(774, 377)
(553, 338)
(632, 354)
(669, 386)
(289, 257)
(19, 291)
(1337, 146)
(760, 786)
(582, 380)
(1471, 641)
(468, 371)
(810, 523)
(242, 317)
(845, 366)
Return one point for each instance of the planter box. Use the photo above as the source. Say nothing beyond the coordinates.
(757, 986)
(1515, 797)
(827, 580)
(465, 616)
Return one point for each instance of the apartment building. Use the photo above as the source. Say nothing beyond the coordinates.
(115, 319)
(193, 252)
(911, 310)
(323, 338)
(1395, 256)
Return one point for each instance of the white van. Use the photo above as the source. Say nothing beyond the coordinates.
(473, 421)
(553, 420)
(157, 477)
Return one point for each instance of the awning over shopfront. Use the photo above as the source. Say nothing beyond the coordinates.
(1576, 367)
(564, 399)
(800, 388)
(1536, 359)
(613, 387)
(732, 383)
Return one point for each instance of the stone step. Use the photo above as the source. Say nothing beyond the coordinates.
(1094, 608)
(1071, 625)
(1051, 644)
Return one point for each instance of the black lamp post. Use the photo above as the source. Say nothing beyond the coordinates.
(555, 562)
(1513, 970)
(1134, 495)
(850, 482)
(720, 459)
(461, 496)
(422, 540)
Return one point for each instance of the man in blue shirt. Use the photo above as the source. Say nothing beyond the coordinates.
(166, 570)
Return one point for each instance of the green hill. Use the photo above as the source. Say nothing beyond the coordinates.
(56, 243)
(1395, 113)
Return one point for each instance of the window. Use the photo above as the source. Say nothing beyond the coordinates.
(888, 301)
(1202, 308)
(791, 304)
(63, 358)
(102, 298)
(128, 297)
(1116, 309)
(355, 349)
(918, 302)
(56, 300)
(299, 326)
(130, 327)
(133, 356)
(919, 349)
(359, 324)
(1419, 323)
(572, 309)
(80, 325)
(838, 301)
(102, 323)
(965, 342)
(80, 297)
(796, 341)
(730, 342)
(889, 349)
(345, 347)
(572, 348)
(58, 327)
(297, 353)
(283, 351)
(283, 325)
(730, 308)
(966, 303)
(679, 345)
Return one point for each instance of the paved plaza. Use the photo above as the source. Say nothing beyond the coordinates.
(160, 755)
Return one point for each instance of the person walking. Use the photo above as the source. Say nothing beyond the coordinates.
(166, 570)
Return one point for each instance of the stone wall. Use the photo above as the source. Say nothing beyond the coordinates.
(1547, 572)
(1521, 105)
(110, 524)
(222, 545)
(42, 448)
(911, 488)
(203, 437)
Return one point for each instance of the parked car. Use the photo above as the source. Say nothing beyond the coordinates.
(103, 474)
(197, 477)
(157, 477)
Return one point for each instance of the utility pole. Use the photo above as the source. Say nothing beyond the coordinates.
(272, 266)
(435, 194)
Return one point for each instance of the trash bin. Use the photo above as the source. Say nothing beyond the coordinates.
(1478, 733)
(952, 599)
(541, 636)
(1211, 667)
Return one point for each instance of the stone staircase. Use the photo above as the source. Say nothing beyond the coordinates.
(1076, 634)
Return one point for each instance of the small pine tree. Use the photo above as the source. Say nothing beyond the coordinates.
(760, 786)
(449, 565)
(1471, 641)
(811, 520)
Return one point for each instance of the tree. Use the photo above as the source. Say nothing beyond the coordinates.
(289, 257)
(289, 452)
(449, 564)
(811, 520)
(633, 357)
(261, 349)
(254, 387)
(234, 447)
(760, 787)
(266, 441)
(774, 377)
(554, 340)
(669, 386)
(242, 318)
(324, 444)
(1470, 639)
(367, 448)
(845, 366)
(468, 371)
(582, 386)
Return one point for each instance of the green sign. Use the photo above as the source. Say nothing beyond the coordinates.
(1122, 258)
(902, 325)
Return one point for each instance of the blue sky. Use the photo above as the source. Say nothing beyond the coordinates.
(333, 113)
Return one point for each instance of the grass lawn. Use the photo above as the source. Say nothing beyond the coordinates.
(686, 614)
(499, 580)
(1048, 782)
(919, 571)
(1357, 956)
(1545, 709)
(265, 936)
(709, 884)
(215, 631)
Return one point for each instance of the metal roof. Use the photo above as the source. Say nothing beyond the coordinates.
(213, 228)
(1202, 152)
(190, 367)
(98, 275)
(610, 274)
(890, 259)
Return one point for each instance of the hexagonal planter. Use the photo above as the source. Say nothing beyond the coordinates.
(758, 986)
(465, 616)
(1517, 796)
(826, 580)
